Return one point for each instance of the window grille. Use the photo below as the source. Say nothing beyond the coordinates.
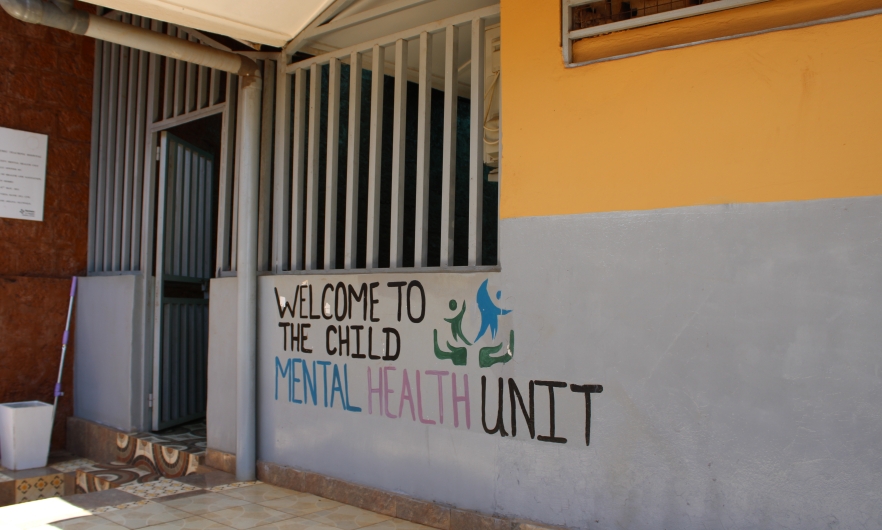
(590, 18)
(378, 162)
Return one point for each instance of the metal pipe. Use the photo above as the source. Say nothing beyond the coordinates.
(82, 23)
(246, 277)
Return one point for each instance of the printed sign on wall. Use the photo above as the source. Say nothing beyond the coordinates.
(22, 174)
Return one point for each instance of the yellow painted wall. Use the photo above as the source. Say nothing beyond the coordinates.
(789, 115)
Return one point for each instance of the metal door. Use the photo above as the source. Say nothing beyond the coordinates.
(184, 252)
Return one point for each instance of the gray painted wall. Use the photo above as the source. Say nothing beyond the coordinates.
(221, 413)
(738, 348)
(108, 348)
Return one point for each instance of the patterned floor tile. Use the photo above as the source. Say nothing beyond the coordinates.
(259, 493)
(82, 523)
(397, 524)
(347, 517)
(147, 514)
(301, 504)
(157, 488)
(297, 523)
(69, 466)
(247, 516)
(207, 503)
(36, 488)
(191, 523)
(235, 485)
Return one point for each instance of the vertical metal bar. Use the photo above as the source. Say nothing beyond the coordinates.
(189, 250)
(168, 100)
(566, 24)
(352, 160)
(199, 232)
(113, 263)
(191, 84)
(264, 237)
(140, 131)
(106, 207)
(225, 188)
(315, 107)
(202, 88)
(98, 89)
(424, 124)
(214, 92)
(150, 320)
(448, 160)
(189, 389)
(297, 166)
(180, 81)
(376, 145)
(178, 209)
(282, 174)
(160, 319)
(209, 216)
(149, 212)
(105, 161)
(178, 340)
(237, 172)
(167, 353)
(203, 354)
(476, 151)
(129, 166)
(396, 232)
(331, 165)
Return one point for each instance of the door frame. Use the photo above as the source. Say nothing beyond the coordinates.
(144, 396)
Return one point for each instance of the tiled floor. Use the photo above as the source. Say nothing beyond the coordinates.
(206, 501)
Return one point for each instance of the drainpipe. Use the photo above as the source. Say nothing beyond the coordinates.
(61, 15)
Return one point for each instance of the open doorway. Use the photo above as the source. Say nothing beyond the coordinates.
(185, 250)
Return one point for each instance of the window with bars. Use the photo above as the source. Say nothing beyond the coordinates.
(590, 18)
(385, 152)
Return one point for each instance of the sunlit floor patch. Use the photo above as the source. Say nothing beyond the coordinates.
(39, 513)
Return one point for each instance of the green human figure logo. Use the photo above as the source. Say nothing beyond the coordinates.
(458, 355)
(456, 322)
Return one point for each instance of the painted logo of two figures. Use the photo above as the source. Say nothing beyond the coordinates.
(489, 312)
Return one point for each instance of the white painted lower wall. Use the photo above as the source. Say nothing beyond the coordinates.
(737, 347)
(221, 405)
(107, 351)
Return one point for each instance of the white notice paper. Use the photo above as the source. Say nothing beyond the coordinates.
(22, 174)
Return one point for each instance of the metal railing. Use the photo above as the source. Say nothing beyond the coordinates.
(308, 233)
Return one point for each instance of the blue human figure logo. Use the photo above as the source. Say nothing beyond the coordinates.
(489, 312)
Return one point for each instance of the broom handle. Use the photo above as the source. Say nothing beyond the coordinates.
(58, 392)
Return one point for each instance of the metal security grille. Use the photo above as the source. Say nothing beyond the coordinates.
(136, 94)
(336, 139)
(184, 257)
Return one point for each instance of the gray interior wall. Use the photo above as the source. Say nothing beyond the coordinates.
(107, 347)
(738, 347)
(221, 408)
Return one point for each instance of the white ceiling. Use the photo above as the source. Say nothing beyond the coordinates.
(272, 22)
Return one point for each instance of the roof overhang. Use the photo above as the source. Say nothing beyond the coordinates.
(271, 22)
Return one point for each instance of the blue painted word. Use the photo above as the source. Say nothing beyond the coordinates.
(291, 368)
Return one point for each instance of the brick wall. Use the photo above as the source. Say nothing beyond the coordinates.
(45, 87)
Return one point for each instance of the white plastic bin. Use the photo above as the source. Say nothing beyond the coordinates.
(25, 432)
